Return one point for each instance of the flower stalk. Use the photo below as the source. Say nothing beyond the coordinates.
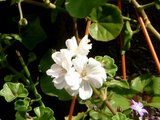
(32, 86)
(103, 99)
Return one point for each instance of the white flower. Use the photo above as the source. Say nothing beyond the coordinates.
(91, 73)
(81, 49)
(61, 68)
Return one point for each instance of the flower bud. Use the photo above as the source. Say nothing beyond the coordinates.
(23, 22)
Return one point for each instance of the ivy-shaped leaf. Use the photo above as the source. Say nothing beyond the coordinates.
(23, 105)
(21, 115)
(12, 91)
(140, 82)
(118, 83)
(108, 63)
(48, 88)
(44, 113)
(155, 102)
(107, 22)
(156, 85)
(79, 116)
(120, 116)
(33, 34)
(95, 115)
(82, 8)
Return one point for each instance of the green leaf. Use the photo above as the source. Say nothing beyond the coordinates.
(127, 35)
(82, 8)
(43, 67)
(12, 91)
(157, 3)
(44, 113)
(98, 115)
(117, 101)
(155, 102)
(15, 1)
(120, 116)
(156, 85)
(118, 83)
(79, 116)
(107, 22)
(23, 105)
(32, 57)
(48, 88)
(21, 116)
(108, 63)
(33, 34)
(140, 82)
(8, 78)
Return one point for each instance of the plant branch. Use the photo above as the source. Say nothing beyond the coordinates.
(76, 30)
(147, 5)
(145, 18)
(72, 108)
(32, 86)
(103, 99)
(129, 19)
(20, 10)
(49, 5)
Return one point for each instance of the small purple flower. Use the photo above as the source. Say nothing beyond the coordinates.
(95, 108)
(139, 108)
(158, 118)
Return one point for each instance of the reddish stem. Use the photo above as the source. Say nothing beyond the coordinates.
(88, 24)
(149, 41)
(123, 56)
(72, 108)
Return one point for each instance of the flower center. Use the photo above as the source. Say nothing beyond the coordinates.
(83, 74)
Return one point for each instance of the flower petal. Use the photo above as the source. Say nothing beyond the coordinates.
(55, 70)
(79, 63)
(85, 91)
(95, 80)
(59, 82)
(71, 44)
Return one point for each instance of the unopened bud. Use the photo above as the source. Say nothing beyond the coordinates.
(23, 22)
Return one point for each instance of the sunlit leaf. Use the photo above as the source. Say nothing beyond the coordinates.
(23, 105)
(156, 85)
(108, 63)
(120, 116)
(107, 22)
(140, 82)
(79, 116)
(118, 83)
(155, 102)
(82, 8)
(95, 115)
(21, 116)
(44, 113)
(11, 91)
(48, 88)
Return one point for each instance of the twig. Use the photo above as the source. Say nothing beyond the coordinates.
(50, 5)
(72, 108)
(145, 18)
(102, 98)
(122, 56)
(76, 30)
(88, 24)
(149, 41)
(20, 10)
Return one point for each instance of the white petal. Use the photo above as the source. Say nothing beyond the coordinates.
(79, 63)
(85, 91)
(71, 92)
(95, 80)
(72, 78)
(59, 79)
(71, 44)
(57, 58)
(55, 70)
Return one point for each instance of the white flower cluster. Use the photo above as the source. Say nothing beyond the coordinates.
(74, 71)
